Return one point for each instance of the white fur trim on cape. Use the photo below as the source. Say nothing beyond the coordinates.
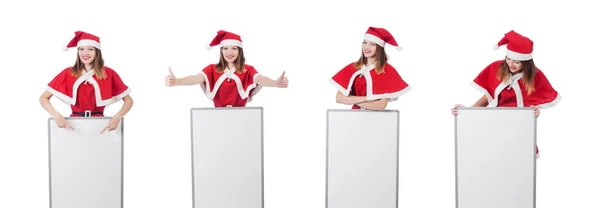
(366, 72)
(87, 76)
(552, 103)
(230, 73)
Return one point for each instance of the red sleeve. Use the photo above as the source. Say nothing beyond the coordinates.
(112, 88)
(250, 86)
(483, 81)
(119, 89)
(250, 79)
(393, 85)
(208, 73)
(59, 87)
(341, 80)
(544, 94)
(209, 80)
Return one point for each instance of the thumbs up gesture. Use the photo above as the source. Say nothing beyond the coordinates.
(170, 79)
(282, 81)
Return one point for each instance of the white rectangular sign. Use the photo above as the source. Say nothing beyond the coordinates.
(495, 157)
(86, 167)
(362, 159)
(227, 157)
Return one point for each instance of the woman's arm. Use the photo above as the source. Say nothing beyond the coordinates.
(116, 119)
(350, 99)
(171, 80)
(482, 102)
(45, 102)
(60, 121)
(280, 82)
(379, 104)
(127, 104)
(190, 80)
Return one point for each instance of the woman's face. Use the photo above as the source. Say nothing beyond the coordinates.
(230, 53)
(369, 49)
(514, 66)
(87, 54)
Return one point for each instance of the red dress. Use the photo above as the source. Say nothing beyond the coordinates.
(366, 82)
(87, 92)
(513, 93)
(229, 88)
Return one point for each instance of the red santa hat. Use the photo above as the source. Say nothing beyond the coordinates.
(381, 36)
(225, 38)
(518, 47)
(83, 39)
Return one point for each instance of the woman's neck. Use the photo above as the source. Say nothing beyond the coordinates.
(371, 61)
(230, 65)
(87, 67)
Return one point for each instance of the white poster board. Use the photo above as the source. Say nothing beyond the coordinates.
(227, 157)
(362, 159)
(86, 167)
(495, 157)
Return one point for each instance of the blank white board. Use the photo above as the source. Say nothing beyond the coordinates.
(86, 167)
(362, 159)
(227, 157)
(495, 157)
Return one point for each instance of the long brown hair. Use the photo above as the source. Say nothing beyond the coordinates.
(239, 61)
(98, 66)
(380, 56)
(529, 69)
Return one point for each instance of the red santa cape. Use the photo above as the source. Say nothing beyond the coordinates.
(217, 87)
(107, 91)
(388, 84)
(487, 82)
(513, 93)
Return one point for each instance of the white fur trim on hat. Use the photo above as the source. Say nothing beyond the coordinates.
(375, 39)
(87, 42)
(399, 48)
(230, 42)
(518, 56)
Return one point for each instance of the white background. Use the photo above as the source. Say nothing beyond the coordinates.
(446, 44)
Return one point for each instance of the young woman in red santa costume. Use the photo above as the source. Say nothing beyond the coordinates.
(88, 86)
(370, 83)
(514, 81)
(231, 82)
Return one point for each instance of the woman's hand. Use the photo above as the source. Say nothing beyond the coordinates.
(536, 111)
(61, 122)
(170, 79)
(112, 124)
(455, 109)
(282, 81)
